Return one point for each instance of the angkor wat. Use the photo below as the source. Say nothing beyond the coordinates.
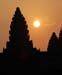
(19, 54)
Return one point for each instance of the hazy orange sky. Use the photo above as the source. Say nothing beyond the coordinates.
(48, 12)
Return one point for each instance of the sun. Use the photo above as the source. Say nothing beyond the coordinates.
(36, 23)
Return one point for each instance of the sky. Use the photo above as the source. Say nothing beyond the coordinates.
(48, 12)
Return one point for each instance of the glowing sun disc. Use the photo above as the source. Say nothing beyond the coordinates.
(36, 24)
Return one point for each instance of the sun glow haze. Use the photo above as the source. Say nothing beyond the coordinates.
(36, 24)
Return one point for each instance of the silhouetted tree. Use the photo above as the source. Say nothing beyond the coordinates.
(19, 45)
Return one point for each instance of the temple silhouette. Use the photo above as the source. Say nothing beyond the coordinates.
(20, 54)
